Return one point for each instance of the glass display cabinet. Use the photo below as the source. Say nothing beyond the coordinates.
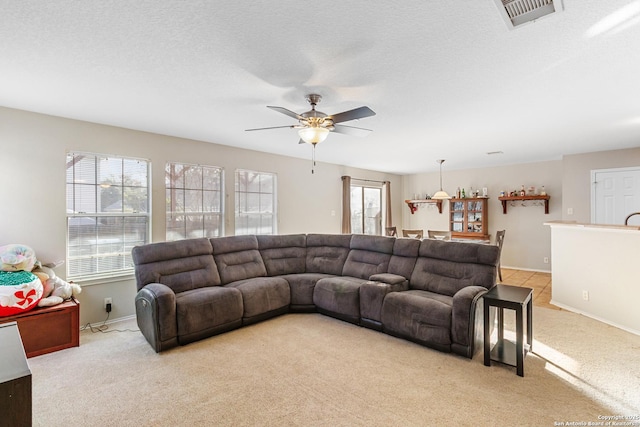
(469, 218)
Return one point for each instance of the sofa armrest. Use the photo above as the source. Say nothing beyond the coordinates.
(156, 315)
(463, 317)
(389, 278)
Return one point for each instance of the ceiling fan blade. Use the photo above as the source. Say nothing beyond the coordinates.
(273, 127)
(351, 130)
(286, 112)
(357, 113)
(301, 141)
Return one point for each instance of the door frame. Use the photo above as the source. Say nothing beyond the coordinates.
(594, 182)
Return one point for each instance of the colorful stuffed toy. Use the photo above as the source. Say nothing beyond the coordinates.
(20, 290)
(17, 258)
(56, 290)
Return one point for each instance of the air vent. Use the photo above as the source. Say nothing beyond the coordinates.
(518, 12)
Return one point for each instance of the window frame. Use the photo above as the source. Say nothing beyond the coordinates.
(102, 220)
(240, 216)
(202, 212)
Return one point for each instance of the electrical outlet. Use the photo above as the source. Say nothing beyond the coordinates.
(546, 260)
(107, 301)
(585, 295)
(569, 211)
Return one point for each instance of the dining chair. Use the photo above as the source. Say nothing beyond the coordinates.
(416, 234)
(439, 234)
(499, 241)
(391, 231)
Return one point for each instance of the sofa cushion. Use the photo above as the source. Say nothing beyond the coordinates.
(182, 265)
(421, 316)
(206, 311)
(283, 254)
(382, 244)
(403, 258)
(326, 253)
(368, 255)
(469, 253)
(238, 258)
(339, 297)
(446, 267)
(364, 264)
(302, 286)
(262, 295)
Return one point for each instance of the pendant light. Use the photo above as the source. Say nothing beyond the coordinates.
(441, 195)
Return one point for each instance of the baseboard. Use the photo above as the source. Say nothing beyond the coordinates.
(108, 322)
(525, 269)
(591, 316)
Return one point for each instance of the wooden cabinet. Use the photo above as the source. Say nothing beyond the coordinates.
(468, 218)
(47, 329)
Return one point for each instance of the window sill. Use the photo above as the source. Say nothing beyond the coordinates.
(90, 281)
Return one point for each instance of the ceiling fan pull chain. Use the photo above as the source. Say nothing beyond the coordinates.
(313, 158)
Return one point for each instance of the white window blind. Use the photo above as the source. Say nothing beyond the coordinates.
(108, 213)
(255, 210)
(194, 197)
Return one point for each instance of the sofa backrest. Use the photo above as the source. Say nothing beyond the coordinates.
(368, 255)
(284, 254)
(237, 258)
(446, 267)
(403, 259)
(326, 253)
(181, 265)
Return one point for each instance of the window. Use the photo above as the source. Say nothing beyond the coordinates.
(194, 201)
(107, 214)
(366, 210)
(255, 202)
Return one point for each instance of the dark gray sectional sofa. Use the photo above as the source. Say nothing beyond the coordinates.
(427, 291)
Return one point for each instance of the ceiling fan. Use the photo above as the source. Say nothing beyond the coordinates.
(314, 126)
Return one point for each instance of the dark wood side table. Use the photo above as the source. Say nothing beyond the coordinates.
(505, 351)
(15, 379)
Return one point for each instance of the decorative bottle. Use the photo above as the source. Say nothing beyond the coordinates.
(522, 191)
(463, 196)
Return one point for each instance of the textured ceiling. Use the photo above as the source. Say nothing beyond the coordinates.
(448, 80)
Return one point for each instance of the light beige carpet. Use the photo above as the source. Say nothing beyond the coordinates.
(309, 369)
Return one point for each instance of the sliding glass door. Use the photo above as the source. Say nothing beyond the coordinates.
(366, 210)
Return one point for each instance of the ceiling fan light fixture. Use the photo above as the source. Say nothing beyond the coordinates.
(313, 135)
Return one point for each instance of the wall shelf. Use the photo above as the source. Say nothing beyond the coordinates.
(414, 204)
(506, 199)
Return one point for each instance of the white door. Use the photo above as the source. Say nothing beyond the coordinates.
(616, 194)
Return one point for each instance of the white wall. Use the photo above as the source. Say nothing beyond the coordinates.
(32, 173)
(576, 180)
(583, 260)
(32, 177)
(527, 241)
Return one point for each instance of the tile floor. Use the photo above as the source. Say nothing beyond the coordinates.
(539, 282)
